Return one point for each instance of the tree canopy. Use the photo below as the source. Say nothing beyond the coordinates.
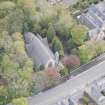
(78, 33)
(64, 35)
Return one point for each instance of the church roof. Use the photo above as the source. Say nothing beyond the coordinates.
(40, 53)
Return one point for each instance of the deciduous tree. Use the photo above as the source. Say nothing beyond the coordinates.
(78, 33)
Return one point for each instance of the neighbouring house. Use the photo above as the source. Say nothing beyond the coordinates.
(94, 91)
(66, 101)
(96, 33)
(91, 93)
(92, 34)
(95, 94)
(37, 48)
(94, 18)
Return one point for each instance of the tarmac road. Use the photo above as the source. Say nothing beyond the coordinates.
(70, 86)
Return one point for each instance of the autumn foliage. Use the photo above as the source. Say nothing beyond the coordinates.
(71, 60)
(53, 74)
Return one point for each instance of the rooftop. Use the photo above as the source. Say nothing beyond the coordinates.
(37, 50)
(94, 17)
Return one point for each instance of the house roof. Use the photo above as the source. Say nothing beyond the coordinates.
(94, 17)
(37, 50)
(93, 33)
(101, 6)
(94, 92)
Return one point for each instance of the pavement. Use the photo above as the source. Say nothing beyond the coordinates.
(70, 86)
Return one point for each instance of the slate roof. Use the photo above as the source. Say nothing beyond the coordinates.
(93, 33)
(37, 50)
(95, 94)
(94, 17)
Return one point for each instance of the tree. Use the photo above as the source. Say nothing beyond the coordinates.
(71, 61)
(44, 33)
(28, 6)
(6, 41)
(69, 45)
(45, 79)
(2, 13)
(74, 51)
(8, 67)
(47, 13)
(64, 21)
(20, 101)
(51, 32)
(16, 20)
(83, 4)
(12, 18)
(53, 74)
(3, 95)
(65, 72)
(57, 46)
(7, 5)
(98, 46)
(17, 36)
(20, 86)
(78, 33)
(41, 81)
(4, 26)
(90, 50)
(35, 27)
(60, 9)
(63, 26)
(86, 53)
(15, 66)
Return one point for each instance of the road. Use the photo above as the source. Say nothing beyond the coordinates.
(67, 88)
(87, 66)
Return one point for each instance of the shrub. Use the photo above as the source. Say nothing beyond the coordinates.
(20, 101)
(3, 95)
(65, 72)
